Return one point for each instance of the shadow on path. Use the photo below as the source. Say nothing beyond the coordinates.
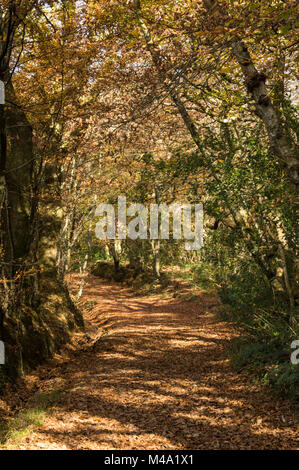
(159, 380)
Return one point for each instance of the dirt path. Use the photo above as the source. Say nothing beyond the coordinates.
(159, 380)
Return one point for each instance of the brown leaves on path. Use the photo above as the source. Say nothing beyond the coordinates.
(160, 379)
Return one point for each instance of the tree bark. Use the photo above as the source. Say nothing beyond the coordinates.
(18, 179)
(280, 144)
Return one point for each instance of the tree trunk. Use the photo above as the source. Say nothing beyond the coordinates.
(115, 252)
(156, 258)
(18, 182)
(279, 141)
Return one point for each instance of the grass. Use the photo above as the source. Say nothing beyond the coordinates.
(15, 430)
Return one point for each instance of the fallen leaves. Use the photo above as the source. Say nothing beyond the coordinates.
(159, 380)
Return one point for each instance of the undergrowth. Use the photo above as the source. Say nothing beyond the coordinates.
(264, 349)
(14, 430)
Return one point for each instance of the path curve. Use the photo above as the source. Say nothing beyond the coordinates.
(160, 379)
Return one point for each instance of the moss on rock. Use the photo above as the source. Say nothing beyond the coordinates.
(32, 335)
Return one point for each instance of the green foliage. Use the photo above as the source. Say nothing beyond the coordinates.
(13, 431)
(284, 378)
(264, 349)
(270, 363)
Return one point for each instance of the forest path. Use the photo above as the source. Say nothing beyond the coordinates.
(160, 379)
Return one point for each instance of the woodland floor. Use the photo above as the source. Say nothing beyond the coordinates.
(160, 379)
